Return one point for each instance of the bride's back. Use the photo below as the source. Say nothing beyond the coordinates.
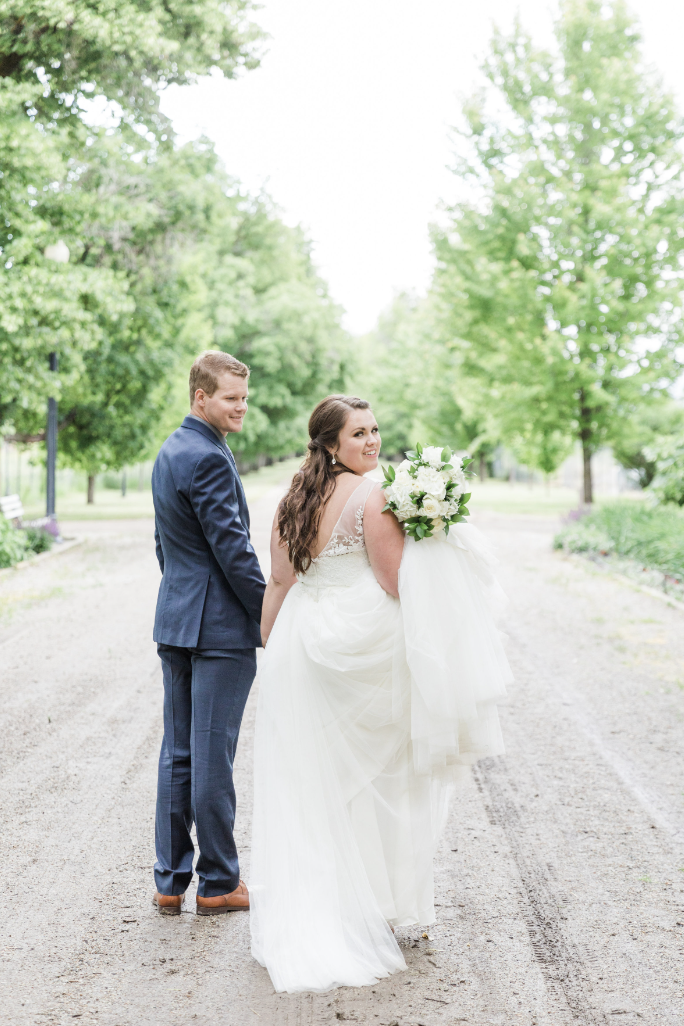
(345, 486)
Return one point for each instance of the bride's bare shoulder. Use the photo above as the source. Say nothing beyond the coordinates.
(345, 485)
(374, 518)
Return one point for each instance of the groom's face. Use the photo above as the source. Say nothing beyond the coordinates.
(226, 408)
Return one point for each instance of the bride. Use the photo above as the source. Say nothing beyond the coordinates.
(375, 687)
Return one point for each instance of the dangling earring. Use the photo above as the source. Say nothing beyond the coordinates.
(333, 459)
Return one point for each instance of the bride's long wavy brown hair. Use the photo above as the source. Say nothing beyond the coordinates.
(299, 514)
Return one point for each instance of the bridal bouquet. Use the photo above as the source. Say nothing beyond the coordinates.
(427, 491)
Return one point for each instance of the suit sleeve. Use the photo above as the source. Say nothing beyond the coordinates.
(158, 546)
(213, 496)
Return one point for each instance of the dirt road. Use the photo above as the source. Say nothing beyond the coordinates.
(560, 876)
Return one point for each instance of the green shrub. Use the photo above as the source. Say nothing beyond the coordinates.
(668, 455)
(38, 540)
(13, 544)
(652, 536)
(581, 537)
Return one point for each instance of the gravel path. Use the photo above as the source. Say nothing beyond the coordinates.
(560, 876)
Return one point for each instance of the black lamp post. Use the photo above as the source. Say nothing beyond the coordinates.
(59, 253)
(51, 439)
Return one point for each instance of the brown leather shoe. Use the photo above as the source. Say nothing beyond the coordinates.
(236, 901)
(169, 904)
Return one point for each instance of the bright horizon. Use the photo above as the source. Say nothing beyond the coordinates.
(347, 124)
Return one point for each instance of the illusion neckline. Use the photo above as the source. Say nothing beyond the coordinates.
(364, 480)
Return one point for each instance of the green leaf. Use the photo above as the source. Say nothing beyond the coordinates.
(419, 448)
(466, 463)
(464, 511)
(466, 497)
(446, 454)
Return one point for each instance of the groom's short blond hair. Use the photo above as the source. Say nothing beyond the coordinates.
(205, 371)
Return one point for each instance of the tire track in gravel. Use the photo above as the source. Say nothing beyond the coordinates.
(559, 959)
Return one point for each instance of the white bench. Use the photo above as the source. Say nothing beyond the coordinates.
(11, 507)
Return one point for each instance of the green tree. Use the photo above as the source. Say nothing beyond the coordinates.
(58, 179)
(668, 455)
(256, 294)
(167, 255)
(562, 281)
(125, 51)
(417, 387)
(43, 307)
(652, 424)
(200, 265)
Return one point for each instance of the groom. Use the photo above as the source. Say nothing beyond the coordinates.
(207, 629)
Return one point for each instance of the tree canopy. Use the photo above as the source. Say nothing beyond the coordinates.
(560, 283)
(124, 50)
(167, 255)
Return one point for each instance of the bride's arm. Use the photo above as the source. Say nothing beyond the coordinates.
(384, 542)
(279, 583)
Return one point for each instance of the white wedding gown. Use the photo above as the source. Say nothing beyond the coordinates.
(368, 705)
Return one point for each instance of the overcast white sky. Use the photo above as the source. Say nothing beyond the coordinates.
(346, 123)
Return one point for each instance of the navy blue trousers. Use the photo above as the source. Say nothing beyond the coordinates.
(204, 698)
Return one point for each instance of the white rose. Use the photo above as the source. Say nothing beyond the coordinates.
(429, 480)
(432, 454)
(431, 507)
(399, 492)
(403, 478)
(404, 465)
(404, 510)
(459, 479)
(400, 495)
(407, 509)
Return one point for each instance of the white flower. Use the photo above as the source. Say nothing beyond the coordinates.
(432, 454)
(400, 496)
(404, 465)
(429, 480)
(402, 478)
(458, 477)
(432, 507)
(398, 492)
(406, 509)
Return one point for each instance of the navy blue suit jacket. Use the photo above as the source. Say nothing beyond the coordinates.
(212, 586)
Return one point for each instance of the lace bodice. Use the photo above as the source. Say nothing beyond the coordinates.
(344, 557)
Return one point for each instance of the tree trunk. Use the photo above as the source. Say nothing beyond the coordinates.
(586, 436)
(91, 489)
(588, 491)
(124, 485)
(483, 467)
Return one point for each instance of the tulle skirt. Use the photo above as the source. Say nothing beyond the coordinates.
(368, 708)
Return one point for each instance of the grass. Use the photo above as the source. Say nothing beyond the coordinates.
(110, 504)
(496, 496)
(535, 500)
(493, 495)
(635, 537)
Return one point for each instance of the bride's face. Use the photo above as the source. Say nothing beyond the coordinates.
(359, 443)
